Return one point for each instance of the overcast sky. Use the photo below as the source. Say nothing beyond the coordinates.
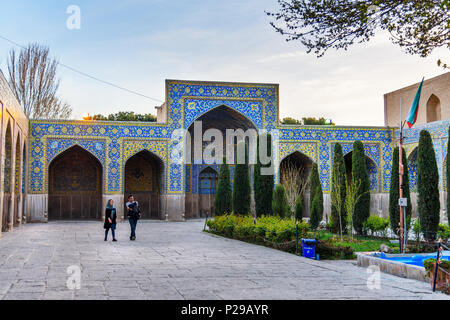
(138, 44)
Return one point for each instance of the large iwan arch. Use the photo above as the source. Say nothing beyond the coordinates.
(200, 184)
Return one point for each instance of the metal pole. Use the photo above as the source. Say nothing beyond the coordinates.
(296, 237)
(437, 266)
(400, 180)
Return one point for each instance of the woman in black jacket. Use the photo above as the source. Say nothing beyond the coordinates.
(110, 220)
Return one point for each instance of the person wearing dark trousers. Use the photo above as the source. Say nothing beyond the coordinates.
(133, 214)
(110, 220)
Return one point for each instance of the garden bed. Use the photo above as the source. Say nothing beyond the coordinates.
(280, 234)
(443, 274)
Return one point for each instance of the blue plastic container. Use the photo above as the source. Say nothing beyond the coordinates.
(309, 248)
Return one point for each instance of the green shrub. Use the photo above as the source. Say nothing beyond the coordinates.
(428, 264)
(263, 184)
(359, 173)
(331, 249)
(419, 247)
(267, 228)
(375, 224)
(299, 209)
(279, 202)
(444, 231)
(241, 186)
(416, 229)
(394, 208)
(222, 200)
(316, 189)
(223, 224)
(316, 214)
(428, 204)
(275, 232)
(338, 191)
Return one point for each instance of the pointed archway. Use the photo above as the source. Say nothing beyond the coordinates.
(143, 179)
(17, 183)
(303, 163)
(24, 186)
(298, 160)
(433, 109)
(200, 201)
(6, 221)
(372, 171)
(412, 170)
(207, 184)
(75, 186)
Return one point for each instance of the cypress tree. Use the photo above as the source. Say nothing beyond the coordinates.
(316, 214)
(359, 173)
(241, 186)
(263, 184)
(448, 176)
(316, 188)
(298, 209)
(338, 185)
(279, 201)
(222, 201)
(428, 204)
(394, 209)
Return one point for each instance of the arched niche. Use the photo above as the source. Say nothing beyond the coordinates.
(144, 180)
(6, 220)
(433, 109)
(372, 171)
(75, 186)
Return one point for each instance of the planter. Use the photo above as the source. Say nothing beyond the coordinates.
(442, 279)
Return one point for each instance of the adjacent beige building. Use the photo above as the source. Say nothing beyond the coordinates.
(13, 155)
(434, 101)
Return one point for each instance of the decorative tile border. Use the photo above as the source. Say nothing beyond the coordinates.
(186, 101)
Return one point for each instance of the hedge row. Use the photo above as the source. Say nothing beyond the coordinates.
(274, 232)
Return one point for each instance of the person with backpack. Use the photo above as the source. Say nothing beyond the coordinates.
(133, 214)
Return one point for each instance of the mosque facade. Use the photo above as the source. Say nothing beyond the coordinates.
(69, 168)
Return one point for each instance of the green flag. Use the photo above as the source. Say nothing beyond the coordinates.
(412, 115)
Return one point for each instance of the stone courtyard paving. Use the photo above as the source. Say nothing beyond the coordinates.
(175, 261)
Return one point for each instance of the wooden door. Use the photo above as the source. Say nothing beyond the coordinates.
(142, 176)
(75, 180)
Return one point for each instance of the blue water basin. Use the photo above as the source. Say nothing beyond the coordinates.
(417, 259)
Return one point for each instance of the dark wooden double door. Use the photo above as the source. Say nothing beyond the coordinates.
(75, 184)
(148, 203)
(142, 177)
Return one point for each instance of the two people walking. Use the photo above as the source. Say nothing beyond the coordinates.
(133, 215)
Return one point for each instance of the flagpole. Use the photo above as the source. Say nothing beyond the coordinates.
(400, 179)
(403, 203)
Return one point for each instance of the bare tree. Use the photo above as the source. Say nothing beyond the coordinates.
(294, 182)
(32, 77)
(351, 200)
(54, 108)
(337, 198)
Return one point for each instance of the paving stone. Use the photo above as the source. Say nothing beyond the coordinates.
(175, 261)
